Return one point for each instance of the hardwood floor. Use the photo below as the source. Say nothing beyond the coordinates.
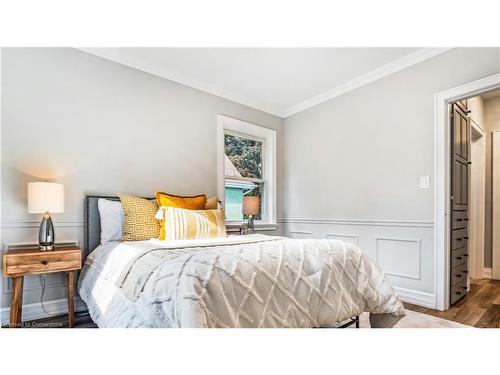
(479, 308)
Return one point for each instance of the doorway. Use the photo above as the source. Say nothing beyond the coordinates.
(473, 178)
(443, 220)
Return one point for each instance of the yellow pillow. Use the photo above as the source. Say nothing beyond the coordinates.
(212, 203)
(195, 202)
(183, 224)
(139, 221)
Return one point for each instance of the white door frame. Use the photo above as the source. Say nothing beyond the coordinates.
(442, 180)
(477, 202)
(495, 162)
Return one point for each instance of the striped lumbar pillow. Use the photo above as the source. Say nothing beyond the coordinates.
(182, 224)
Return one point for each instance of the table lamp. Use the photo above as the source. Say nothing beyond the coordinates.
(251, 207)
(46, 198)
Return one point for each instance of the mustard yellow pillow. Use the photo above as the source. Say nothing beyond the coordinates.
(139, 221)
(212, 203)
(183, 224)
(195, 202)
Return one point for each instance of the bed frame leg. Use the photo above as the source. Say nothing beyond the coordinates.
(353, 320)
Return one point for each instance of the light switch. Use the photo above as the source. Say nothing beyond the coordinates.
(424, 182)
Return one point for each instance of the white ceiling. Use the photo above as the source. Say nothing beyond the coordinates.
(281, 81)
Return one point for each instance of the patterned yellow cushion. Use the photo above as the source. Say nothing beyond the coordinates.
(139, 221)
(182, 224)
(212, 203)
(195, 202)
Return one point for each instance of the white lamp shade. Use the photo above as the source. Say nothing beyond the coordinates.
(251, 205)
(45, 197)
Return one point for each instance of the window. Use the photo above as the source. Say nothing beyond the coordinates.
(243, 173)
(247, 155)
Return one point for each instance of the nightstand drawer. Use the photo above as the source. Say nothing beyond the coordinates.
(41, 262)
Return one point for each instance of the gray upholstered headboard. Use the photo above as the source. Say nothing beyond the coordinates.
(92, 233)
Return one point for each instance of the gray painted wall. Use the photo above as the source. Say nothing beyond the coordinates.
(101, 127)
(359, 157)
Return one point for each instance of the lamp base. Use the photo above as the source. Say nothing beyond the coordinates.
(45, 248)
(46, 234)
(250, 226)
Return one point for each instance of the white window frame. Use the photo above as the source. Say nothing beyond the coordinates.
(268, 138)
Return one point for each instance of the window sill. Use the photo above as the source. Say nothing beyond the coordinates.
(259, 227)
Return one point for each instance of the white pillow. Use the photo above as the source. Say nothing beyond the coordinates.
(111, 215)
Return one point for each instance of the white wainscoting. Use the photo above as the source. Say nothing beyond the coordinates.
(344, 237)
(399, 257)
(299, 234)
(403, 249)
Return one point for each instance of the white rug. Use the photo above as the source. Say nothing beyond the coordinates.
(414, 319)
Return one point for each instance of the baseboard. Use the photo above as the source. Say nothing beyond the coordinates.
(34, 311)
(417, 298)
(487, 273)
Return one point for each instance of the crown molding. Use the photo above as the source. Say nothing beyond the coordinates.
(171, 75)
(372, 76)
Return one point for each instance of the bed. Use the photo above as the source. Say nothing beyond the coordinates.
(238, 281)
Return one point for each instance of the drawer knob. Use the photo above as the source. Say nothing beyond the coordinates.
(458, 275)
(459, 258)
(466, 255)
(466, 238)
(459, 219)
(464, 287)
(466, 219)
(466, 271)
(458, 293)
(459, 239)
(45, 262)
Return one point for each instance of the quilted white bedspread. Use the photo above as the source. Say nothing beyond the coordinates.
(250, 281)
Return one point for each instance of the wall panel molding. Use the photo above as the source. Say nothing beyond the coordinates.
(418, 259)
(300, 234)
(344, 237)
(383, 223)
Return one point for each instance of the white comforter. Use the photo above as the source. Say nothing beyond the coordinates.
(241, 281)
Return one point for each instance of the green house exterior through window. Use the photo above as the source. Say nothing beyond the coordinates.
(234, 193)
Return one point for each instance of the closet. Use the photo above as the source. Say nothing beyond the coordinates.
(459, 204)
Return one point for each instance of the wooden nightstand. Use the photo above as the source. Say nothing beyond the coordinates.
(18, 263)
